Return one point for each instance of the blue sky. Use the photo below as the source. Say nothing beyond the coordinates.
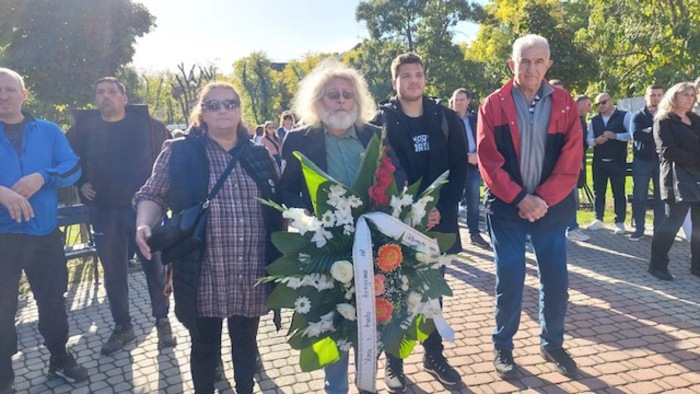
(222, 31)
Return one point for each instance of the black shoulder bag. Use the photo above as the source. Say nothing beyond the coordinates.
(185, 232)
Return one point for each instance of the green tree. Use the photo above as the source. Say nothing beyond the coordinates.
(641, 42)
(422, 26)
(63, 46)
(296, 70)
(255, 81)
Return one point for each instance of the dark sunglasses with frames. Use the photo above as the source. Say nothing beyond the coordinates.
(216, 105)
(602, 102)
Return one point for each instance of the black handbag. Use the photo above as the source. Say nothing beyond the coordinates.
(686, 187)
(185, 232)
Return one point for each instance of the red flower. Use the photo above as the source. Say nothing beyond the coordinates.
(384, 310)
(383, 177)
(389, 257)
(379, 284)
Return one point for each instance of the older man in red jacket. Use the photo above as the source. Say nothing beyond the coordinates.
(529, 149)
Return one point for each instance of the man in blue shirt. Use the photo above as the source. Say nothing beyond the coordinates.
(36, 160)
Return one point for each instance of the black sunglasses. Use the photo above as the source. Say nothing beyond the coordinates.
(602, 102)
(216, 105)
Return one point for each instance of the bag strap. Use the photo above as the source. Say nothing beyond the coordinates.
(235, 156)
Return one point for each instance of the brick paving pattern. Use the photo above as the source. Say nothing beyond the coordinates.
(628, 332)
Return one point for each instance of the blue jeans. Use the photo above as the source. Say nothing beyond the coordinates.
(509, 254)
(113, 228)
(337, 376)
(471, 198)
(644, 171)
(573, 225)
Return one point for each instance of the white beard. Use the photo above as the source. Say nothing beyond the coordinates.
(340, 120)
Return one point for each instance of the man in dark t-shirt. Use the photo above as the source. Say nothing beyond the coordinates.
(117, 146)
(428, 139)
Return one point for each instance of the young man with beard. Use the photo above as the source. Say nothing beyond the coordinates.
(334, 104)
(118, 145)
(645, 166)
(428, 139)
(36, 160)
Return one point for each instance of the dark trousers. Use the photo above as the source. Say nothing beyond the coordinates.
(644, 171)
(471, 198)
(615, 171)
(206, 352)
(114, 228)
(43, 261)
(666, 234)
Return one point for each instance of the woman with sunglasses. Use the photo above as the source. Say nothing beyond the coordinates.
(216, 282)
(271, 141)
(677, 136)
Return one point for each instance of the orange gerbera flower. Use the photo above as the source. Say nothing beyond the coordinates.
(384, 310)
(379, 284)
(389, 257)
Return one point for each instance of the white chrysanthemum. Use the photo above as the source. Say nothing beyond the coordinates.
(342, 271)
(423, 258)
(347, 311)
(300, 220)
(328, 219)
(321, 237)
(302, 305)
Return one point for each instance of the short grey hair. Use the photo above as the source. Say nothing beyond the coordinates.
(529, 41)
(14, 74)
(307, 101)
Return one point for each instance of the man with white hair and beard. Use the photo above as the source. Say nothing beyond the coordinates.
(334, 106)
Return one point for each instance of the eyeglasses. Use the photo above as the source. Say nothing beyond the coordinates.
(336, 95)
(602, 102)
(216, 105)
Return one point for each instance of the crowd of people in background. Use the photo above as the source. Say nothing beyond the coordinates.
(527, 143)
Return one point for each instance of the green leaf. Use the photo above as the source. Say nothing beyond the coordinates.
(445, 240)
(271, 203)
(285, 266)
(288, 243)
(281, 297)
(435, 186)
(368, 165)
(318, 355)
(313, 177)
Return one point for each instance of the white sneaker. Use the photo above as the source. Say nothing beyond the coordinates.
(620, 228)
(595, 225)
(577, 236)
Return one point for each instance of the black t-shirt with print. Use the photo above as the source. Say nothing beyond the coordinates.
(418, 132)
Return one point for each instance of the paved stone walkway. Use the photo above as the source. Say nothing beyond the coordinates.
(628, 331)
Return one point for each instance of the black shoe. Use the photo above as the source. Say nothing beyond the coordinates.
(504, 363)
(438, 366)
(636, 236)
(563, 361)
(661, 273)
(477, 240)
(118, 339)
(65, 367)
(165, 334)
(394, 377)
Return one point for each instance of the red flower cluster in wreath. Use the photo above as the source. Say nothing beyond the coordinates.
(384, 177)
